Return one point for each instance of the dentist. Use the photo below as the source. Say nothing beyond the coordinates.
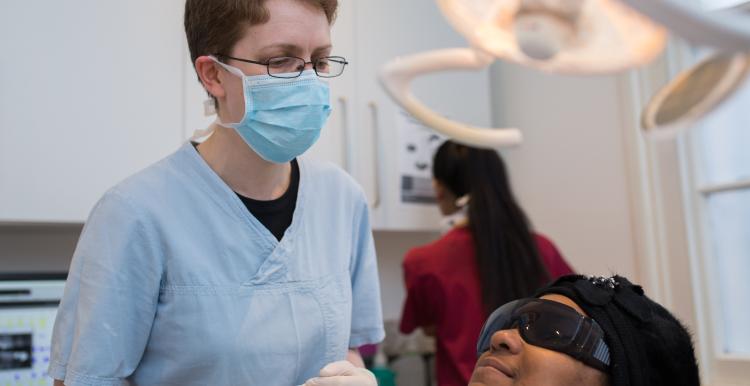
(234, 261)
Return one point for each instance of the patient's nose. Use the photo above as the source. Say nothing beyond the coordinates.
(506, 341)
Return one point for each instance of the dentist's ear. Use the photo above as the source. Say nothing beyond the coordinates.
(211, 76)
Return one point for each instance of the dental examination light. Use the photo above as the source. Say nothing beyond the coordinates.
(700, 89)
(725, 27)
(694, 93)
(569, 37)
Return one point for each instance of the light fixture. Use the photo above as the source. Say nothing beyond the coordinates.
(563, 36)
(699, 90)
(694, 93)
(572, 37)
(727, 29)
(568, 36)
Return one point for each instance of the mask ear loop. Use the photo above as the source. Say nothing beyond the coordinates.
(231, 69)
(201, 135)
(209, 106)
(462, 201)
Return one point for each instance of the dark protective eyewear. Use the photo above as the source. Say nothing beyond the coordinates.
(551, 325)
(292, 66)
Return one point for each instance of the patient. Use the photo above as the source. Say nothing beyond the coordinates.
(585, 331)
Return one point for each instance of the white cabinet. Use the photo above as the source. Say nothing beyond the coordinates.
(91, 92)
(336, 142)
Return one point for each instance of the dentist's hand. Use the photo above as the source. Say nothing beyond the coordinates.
(343, 373)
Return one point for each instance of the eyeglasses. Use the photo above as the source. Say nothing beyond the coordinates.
(292, 66)
(551, 325)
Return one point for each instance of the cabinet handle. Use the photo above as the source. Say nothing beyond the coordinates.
(347, 136)
(378, 153)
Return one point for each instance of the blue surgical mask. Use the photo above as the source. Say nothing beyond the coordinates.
(283, 117)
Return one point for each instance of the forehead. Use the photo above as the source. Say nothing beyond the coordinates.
(564, 300)
(292, 19)
(295, 11)
(300, 26)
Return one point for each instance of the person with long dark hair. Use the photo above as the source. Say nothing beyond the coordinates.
(489, 257)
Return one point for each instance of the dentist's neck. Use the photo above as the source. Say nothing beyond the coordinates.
(241, 168)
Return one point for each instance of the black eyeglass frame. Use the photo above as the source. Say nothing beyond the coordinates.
(586, 342)
(338, 59)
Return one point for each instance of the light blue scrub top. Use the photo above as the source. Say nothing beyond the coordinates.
(174, 282)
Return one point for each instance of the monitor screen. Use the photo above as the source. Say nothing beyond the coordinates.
(28, 305)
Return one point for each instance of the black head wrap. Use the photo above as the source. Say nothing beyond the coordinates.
(648, 345)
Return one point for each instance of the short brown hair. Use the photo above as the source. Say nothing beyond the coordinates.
(214, 26)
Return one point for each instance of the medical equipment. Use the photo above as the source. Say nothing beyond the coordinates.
(28, 304)
(566, 36)
(694, 93)
(700, 89)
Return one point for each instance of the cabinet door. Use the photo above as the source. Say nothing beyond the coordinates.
(387, 29)
(335, 143)
(91, 93)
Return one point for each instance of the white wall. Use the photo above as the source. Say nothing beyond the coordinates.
(570, 173)
(391, 248)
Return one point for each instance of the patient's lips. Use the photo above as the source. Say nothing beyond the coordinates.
(493, 370)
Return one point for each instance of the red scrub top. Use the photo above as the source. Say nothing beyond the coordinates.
(443, 290)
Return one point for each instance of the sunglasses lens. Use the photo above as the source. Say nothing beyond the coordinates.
(549, 326)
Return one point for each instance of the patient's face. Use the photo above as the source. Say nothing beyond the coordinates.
(511, 361)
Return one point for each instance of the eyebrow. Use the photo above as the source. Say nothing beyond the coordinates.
(323, 48)
(292, 48)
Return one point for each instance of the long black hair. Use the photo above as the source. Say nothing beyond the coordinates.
(506, 252)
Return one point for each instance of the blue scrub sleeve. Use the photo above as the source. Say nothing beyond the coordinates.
(367, 314)
(110, 298)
